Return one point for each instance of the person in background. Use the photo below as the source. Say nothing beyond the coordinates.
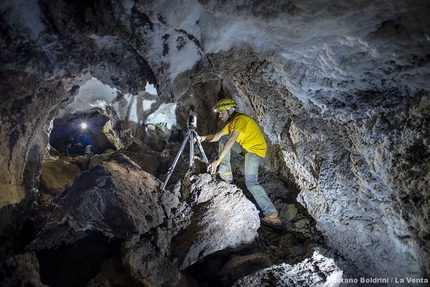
(78, 143)
(242, 135)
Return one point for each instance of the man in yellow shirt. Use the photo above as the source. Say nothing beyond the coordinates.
(242, 134)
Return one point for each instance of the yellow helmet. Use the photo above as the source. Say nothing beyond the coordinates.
(225, 104)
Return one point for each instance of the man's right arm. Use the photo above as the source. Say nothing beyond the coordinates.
(212, 138)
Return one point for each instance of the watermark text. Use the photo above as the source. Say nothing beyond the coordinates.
(380, 280)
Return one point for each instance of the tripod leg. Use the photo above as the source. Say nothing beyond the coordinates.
(170, 170)
(199, 144)
(191, 149)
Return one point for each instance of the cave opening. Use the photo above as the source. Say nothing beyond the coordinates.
(70, 126)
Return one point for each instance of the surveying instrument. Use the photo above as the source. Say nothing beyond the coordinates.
(191, 136)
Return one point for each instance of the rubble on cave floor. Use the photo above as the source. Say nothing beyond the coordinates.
(217, 261)
(271, 247)
(316, 270)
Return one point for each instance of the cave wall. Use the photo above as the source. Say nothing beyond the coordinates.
(365, 180)
(341, 91)
(26, 114)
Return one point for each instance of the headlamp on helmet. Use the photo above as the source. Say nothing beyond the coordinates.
(225, 104)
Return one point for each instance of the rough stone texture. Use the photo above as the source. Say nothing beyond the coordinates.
(116, 198)
(224, 218)
(110, 273)
(57, 175)
(211, 222)
(147, 162)
(340, 89)
(24, 269)
(150, 266)
(339, 174)
(315, 271)
(240, 266)
(162, 233)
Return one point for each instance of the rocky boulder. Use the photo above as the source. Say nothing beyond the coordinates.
(318, 270)
(117, 206)
(24, 269)
(223, 217)
(57, 175)
(115, 197)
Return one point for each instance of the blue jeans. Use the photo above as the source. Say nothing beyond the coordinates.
(252, 164)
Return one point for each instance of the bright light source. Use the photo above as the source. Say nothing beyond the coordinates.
(83, 126)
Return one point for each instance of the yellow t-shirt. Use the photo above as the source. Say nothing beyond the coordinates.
(250, 136)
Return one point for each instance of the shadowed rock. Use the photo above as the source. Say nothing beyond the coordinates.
(223, 217)
(24, 269)
(115, 197)
(163, 232)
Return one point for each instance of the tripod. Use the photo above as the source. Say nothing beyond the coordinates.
(191, 136)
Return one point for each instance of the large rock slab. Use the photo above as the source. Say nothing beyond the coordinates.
(115, 197)
(161, 232)
(217, 216)
(57, 175)
(223, 217)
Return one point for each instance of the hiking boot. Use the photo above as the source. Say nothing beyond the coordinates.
(272, 220)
